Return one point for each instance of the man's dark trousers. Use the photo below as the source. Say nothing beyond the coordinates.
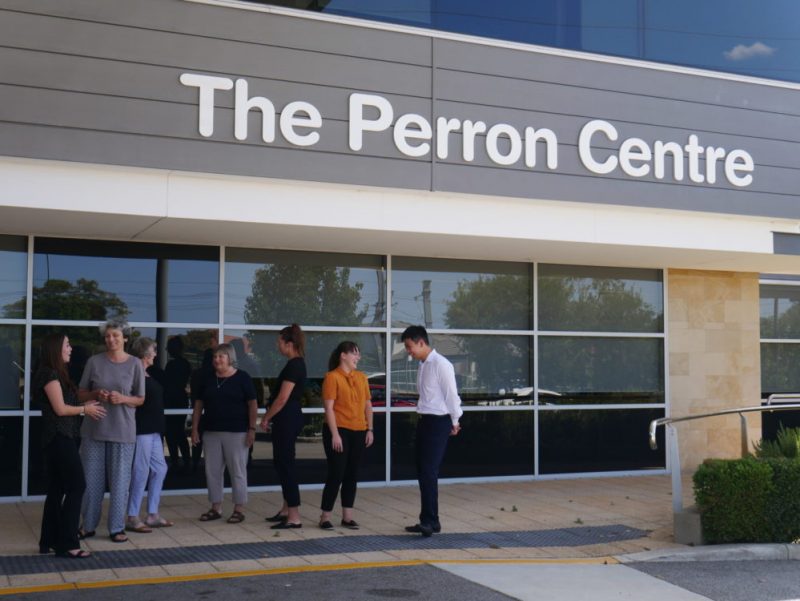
(433, 432)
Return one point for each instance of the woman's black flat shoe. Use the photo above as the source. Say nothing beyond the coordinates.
(278, 517)
(285, 526)
(326, 525)
(80, 554)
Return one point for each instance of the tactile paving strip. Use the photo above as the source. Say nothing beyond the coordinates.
(561, 537)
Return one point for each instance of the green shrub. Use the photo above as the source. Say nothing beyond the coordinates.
(786, 444)
(749, 500)
(728, 515)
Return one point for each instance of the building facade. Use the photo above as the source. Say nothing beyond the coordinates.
(581, 233)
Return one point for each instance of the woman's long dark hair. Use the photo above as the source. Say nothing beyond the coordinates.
(346, 346)
(295, 335)
(51, 358)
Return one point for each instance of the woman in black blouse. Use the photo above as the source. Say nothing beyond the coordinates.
(226, 400)
(286, 416)
(57, 396)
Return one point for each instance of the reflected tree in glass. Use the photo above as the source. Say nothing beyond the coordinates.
(304, 294)
(500, 301)
(575, 298)
(779, 307)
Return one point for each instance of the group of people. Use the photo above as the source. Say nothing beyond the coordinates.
(120, 442)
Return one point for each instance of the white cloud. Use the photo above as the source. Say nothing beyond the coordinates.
(741, 52)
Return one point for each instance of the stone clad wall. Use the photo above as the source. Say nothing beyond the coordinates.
(714, 359)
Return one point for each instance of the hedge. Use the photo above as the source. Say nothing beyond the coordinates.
(749, 500)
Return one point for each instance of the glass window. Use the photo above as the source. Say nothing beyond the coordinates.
(577, 370)
(779, 308)
(598, 441)
(746, 36)
(13, 276)
(490, 370)
(457, 294)
(10, 456)
(12, 359)
(779, 368)
(96, 280)
(325, 289)
(263, 361)
(311, 463)
(511, 452)
(600, 299)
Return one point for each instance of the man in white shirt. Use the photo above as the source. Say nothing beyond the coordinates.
(438, 409)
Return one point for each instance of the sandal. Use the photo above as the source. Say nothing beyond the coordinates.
(76, 554)
(237, 517)
(118, 537)
(85, 534)
(139, 527)
(159, 523)
(210, 515)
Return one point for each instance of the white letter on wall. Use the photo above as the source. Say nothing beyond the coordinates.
(515, 148)
(206, 84)
(242, 107)
(585, 146)
(300, 114)
(635, 149)
(358, 124)
(443, 128)
(739, 160)
(548, 136)
(421, 130)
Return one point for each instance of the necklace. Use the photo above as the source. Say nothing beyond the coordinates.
(219, 384)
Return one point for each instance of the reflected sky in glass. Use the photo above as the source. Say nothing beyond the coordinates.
(753, 37)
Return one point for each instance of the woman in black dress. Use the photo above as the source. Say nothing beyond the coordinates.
(286, 416)
(56, 394)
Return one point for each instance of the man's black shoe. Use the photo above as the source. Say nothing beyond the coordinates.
(424, 529)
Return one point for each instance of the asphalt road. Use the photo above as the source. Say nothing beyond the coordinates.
(559, 581)
(414, 583)
(731, 580)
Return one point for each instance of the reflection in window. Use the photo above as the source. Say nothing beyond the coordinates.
(581, 370)
(510, 453)
(600, 299)
(10, 456)
(779, 368)
(780, 311)
(13, 276)
(282, 287)
(12, 358)
(94, 281)
(598, 441)
(490, 370)
(749, 37)
(263, 361)
(459, 294)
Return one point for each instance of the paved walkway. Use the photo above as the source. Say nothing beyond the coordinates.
(557, 519)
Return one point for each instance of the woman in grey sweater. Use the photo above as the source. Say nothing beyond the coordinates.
(115, 379)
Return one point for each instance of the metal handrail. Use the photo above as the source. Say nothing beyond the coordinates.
(782, 397)
(675, 462)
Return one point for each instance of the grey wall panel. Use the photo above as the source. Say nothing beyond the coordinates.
(603, 75)
(208, 157)
(549, 186)
(135, 80)
(96, 81)
(235, 24)
(612, 105)
(765, 151)
(165, 119)
(222, 56)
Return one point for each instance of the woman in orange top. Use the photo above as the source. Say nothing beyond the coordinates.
(348, 415)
